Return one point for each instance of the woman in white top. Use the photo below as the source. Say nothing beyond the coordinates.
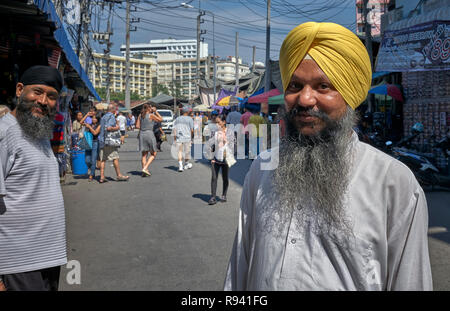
(221, 145)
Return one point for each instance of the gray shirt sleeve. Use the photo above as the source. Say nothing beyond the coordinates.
(3, 167)
(2, 181)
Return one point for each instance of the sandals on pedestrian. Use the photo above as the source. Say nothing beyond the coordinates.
(122, 178)
(145, 173)
(102, 181)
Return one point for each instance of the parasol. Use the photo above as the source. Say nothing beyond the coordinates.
(389, 90)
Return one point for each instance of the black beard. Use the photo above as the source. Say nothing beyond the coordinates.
(35, 128)
(313, 175)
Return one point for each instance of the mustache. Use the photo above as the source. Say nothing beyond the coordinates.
(25, 105)
(302, 111)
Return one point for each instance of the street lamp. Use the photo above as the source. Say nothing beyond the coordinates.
(188, 6)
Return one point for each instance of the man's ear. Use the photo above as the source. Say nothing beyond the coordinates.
(19, 89)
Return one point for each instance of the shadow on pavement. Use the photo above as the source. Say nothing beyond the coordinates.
(173, 168)
(135, 173)
(203, 197)
(237, 172)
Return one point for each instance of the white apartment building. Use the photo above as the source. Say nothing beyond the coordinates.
(142, 73)
(186, 48)
(174, 67)
(226, 69)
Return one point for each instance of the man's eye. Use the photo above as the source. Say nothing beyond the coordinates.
(295, 86)
(324, 86)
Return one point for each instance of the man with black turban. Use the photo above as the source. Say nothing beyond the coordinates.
(335, 213)
(32, 219)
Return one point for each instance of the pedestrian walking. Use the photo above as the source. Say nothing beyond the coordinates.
(128, 122)
(32, 217)
(197, 128)
(92, 154)
(334, 213)
(109, 143)
(183, 129)
(244, 122)
(147, 140)
(77, 128)
(122, 126)
(234, 119)
(133, 121)
(221, 146)
(255, 134)
(159, 135)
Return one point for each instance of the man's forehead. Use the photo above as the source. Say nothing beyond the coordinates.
(304, 70)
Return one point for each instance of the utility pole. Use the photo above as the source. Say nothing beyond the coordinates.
(80, 26)
(173, 88)
(127, 58)
(86, 51)
(199, 33)
(267, 82)
(237, 63)
(254, 53)
(107, 51)
(368, 41)
(127, 53)
(214, 56)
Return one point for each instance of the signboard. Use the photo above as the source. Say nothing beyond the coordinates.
(422, 47)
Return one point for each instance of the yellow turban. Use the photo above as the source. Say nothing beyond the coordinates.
(338, 52)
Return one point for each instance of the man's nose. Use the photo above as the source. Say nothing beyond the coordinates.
(307, 98)
(42, 99)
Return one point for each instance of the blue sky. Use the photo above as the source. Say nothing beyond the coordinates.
(167, 19)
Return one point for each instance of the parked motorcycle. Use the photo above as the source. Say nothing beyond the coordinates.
(421, 164)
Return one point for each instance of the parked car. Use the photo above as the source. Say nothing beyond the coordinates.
(168, 118)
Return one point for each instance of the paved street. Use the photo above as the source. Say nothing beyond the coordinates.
(159, 233)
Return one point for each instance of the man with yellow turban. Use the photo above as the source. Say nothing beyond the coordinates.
(335, 213)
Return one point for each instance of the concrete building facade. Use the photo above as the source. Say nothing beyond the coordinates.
(142, 74)
(226, 69)
(173, 67)
(187, 48)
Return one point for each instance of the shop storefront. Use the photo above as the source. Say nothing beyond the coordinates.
(419, 49)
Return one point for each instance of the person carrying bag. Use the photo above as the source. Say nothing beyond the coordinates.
(223, 158)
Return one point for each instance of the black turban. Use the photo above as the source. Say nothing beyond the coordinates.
(45, 75)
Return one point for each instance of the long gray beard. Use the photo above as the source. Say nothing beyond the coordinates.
(313, 175)
(36, 128)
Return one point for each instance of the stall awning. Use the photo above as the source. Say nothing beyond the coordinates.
(60, 35)
(277, 100)
(380, 74)
(264, 97)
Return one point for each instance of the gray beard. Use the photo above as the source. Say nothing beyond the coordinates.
(313, 175)
(35, 128)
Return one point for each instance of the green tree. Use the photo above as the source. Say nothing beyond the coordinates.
(176, 90)
(117, 95)
(159, 89)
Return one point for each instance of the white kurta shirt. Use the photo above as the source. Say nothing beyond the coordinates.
(389, 216)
